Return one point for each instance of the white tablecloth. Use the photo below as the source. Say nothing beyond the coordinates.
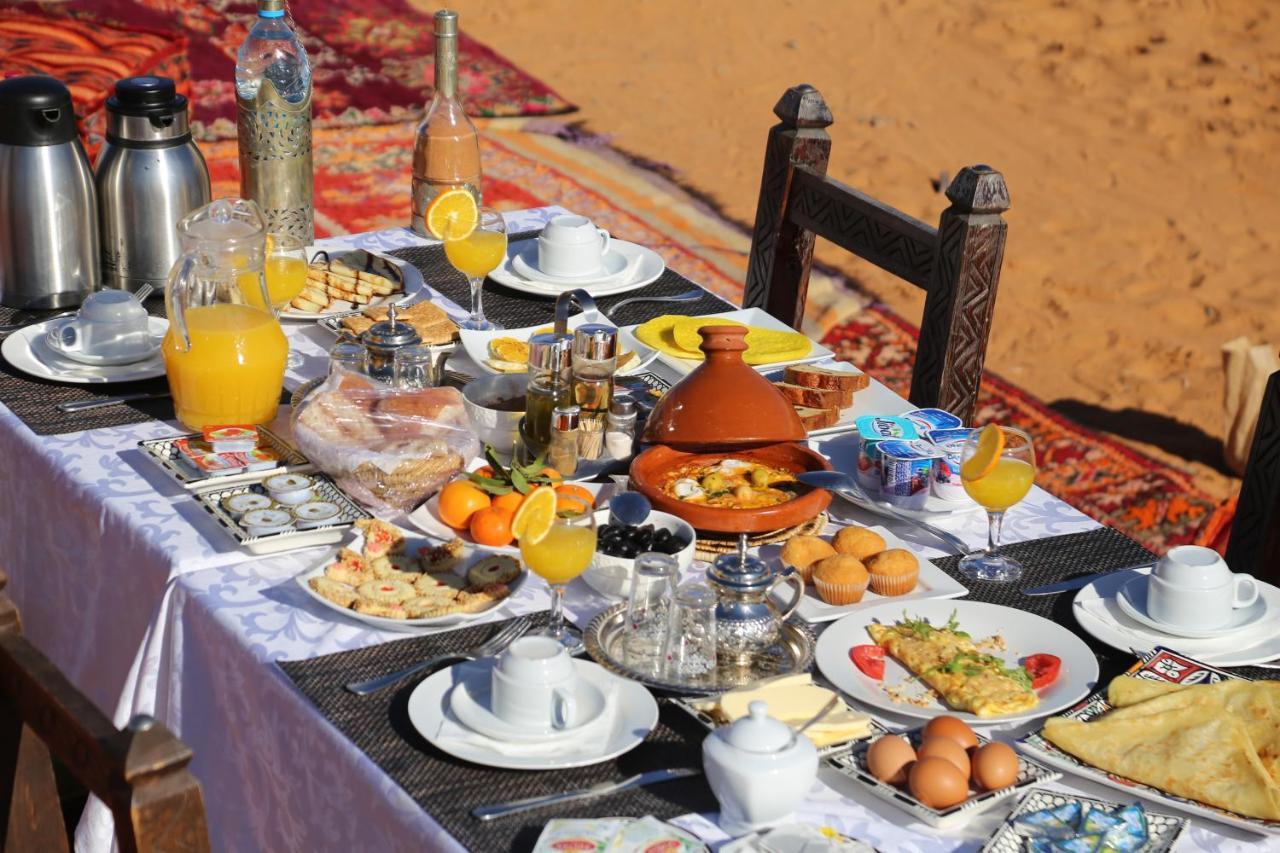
(145, 604)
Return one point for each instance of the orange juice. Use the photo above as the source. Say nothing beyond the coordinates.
(1007, 484)
(286, 277)
(561, 555)
(234, 369)
(477, 254)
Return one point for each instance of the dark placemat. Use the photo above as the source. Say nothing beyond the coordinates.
(35, 401)
(448, 788)
(1058, 558)
(515, 309)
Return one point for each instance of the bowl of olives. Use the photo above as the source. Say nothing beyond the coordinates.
(617, 546)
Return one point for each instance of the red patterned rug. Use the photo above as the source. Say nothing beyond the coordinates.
(372, 60)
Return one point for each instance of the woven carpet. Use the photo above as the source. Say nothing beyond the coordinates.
(372, 60)
(362, 183)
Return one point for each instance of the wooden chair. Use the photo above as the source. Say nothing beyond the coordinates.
(1254, 546)
(140, 772)
(957, 264)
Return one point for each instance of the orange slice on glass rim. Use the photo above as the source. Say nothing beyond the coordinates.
(984, 459)
(452, 215)
(533, 520)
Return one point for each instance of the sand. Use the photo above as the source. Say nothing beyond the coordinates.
(1140, 142)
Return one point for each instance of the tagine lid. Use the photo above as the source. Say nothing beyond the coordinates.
(723, 402)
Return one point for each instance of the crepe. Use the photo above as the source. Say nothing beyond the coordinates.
(677, 335)
(1218, 744)
(947, 660)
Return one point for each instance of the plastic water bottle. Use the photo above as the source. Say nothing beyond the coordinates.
(272, 50)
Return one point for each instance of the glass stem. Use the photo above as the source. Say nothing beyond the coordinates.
(556, 626)
(477, 300)
(995, 520)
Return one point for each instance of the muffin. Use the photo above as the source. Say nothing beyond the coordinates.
(840, 579)
(893, 572)
(858, 542)
(801, 552)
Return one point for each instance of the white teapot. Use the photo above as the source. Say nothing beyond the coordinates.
(759, 770)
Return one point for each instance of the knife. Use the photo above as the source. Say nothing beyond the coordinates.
(81, 405)
(653, 777)
(1082, 581)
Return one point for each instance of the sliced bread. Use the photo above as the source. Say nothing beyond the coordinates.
(809, 376)
(818, 398)
(814, 418)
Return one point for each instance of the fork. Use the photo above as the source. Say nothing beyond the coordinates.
(687, 296)
(499, 641)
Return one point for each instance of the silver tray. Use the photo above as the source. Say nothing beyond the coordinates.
(793, 653)
(287, 540)
(162, 452)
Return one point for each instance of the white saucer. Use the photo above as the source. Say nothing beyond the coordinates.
(471, 700)
(53, 337)
(612, 264)
(637, 714)
(1132, 599)
(650, 267)
(26, 350)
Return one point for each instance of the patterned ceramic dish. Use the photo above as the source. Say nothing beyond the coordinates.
(164, 453)
(349, 512)
(853, 764)
(1163, 830)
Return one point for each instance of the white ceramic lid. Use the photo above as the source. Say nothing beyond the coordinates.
(758, 732)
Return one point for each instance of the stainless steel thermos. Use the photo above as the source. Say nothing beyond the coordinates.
(48, 216)
(149, 175)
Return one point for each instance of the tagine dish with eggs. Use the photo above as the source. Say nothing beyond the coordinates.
(730, 484)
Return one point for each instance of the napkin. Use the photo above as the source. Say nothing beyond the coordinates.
(589, 742)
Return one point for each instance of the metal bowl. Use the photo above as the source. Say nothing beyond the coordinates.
(494, 426)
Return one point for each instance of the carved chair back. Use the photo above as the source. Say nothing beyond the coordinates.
(1254, 546)
(957, 264)
(140, 772)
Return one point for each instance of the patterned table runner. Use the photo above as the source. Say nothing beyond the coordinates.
(448, 788)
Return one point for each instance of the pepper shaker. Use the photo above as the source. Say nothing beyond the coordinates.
(562, 454)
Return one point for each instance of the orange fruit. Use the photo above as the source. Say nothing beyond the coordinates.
(459, 501)
(452, 215)
(551, 474)
(484, 471)
(986, 456)
(492, 526)
(510, 501)
(571, 497)
(536, 515)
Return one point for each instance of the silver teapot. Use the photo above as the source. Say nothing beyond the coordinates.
(748, 622)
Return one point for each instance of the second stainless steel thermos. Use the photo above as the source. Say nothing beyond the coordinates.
(149, 175)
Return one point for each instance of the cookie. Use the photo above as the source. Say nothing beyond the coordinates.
(498, 569)
(339, 593)
(380, 538)
(386, 591)
(392, 565)
(428, 587)
(475, 600)
(427, 581)
(349, 568)
(424, 607)
(376, 608)
(441, 558)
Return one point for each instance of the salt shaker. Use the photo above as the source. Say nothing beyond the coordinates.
(620, 437)
(562, 453)
(595, 357)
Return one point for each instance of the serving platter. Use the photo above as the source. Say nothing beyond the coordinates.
(1163, 831)
(605, 634)
(750, 317)
(1022, 633)
(411, 282)
(164, 453)
(210, 500)
(1161, 665)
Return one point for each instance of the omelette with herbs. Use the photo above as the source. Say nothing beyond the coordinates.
(948, 660)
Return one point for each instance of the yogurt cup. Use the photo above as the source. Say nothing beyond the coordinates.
(237, 505)
(290, 489)
(927, 420)
(906, 471)
(315, 514)
(263, 522)
(947, 485)
(231, 439)
(873, 429)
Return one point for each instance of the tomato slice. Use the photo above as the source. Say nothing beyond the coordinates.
(1043, 669)
(869, 659)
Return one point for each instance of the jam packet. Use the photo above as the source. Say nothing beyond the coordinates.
(201, 459)
(231, 439)
(1069, 828)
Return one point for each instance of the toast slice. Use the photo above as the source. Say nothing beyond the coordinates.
(815, 418)
(303, 302)
(810, 376)
(817, 398)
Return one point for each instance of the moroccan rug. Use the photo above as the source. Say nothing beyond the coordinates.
(362, 182)
(372, 60)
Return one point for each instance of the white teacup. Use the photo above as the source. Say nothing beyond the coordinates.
(570, 246)
(110, 323)
(534, 685)
(1191, 587)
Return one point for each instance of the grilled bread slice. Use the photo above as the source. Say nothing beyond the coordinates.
(813, 418)
(817, 398)
(825, 377)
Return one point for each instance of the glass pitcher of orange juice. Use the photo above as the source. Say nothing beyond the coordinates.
(225, 351)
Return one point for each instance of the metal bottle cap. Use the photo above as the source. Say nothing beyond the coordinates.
(622, 406)
(595, 341)
(146, 109)
(446, 23)
(270, 5)
(549, 351)
(391, 333)
(566, 418)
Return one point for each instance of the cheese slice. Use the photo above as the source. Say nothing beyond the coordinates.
(794, 699)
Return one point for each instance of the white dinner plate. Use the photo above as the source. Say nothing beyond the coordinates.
(651, 266)
(471, 700)
(750, 317)
(932, 583)
(1024, 634)
(1132, 599)
(28, 351)
(427, 519)
(412, 544)
(1097, 610)
(636, 716)
(413, 286)
(476, 342)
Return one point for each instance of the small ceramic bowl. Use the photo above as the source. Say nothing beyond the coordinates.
(497, 427)
(612, 575)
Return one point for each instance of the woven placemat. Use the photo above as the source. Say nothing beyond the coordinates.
(710, 546)
(448, 788)
(35, 401)
(1058, 558)
(515, 309)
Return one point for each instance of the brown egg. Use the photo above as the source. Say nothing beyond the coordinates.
(889, 757)
(995, 765)
(944, 747)
(953, 728)
(937, 783)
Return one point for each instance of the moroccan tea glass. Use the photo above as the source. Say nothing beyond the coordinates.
(689, 647)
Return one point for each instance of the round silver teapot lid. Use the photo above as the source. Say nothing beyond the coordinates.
(390, 333)
(740, 571)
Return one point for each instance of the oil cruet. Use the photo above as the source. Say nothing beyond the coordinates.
(224, 352)
(748, 622)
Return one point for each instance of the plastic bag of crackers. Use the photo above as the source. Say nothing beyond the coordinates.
(388, 448)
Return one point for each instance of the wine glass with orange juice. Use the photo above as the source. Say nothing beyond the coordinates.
(476, 248)
(997, 470)
(557, 543)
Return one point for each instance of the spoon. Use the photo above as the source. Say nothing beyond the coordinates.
(818, 717)
(849, 488)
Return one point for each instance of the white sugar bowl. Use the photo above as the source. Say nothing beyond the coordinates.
(759, 770)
